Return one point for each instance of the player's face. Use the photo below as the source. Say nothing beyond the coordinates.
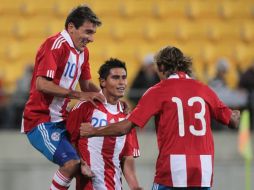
(115, 84)
(83, 35)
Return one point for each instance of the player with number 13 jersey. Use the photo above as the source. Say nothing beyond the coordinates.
(183, 107)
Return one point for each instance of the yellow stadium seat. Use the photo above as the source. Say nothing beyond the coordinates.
(62, 8)
(170, 9)
(26, 28)
(247, 32)
(235, 9)
(38, 7)
(242, 55)
(128, 30)
(108, 8)
(9, 7)
(141, 8)
(201, 9)
(223, 31)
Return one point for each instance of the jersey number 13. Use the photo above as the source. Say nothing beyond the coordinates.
(200, 116)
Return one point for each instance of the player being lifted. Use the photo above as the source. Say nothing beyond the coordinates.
(183, 108)
(61, 62)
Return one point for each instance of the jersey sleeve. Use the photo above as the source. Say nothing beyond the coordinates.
(48, 58)
(218, 109)
(86, 73)
(131, 147)
(79, 114)
(148, 105)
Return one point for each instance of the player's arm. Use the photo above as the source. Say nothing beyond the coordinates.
(129, 172)
(47, 86)
(234, 119)
(113, 129)
(88, 86)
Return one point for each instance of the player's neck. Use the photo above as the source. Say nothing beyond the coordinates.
(110, 99)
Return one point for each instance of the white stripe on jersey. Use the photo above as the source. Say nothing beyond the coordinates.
(206, 167)
(119, 144)
(78, 105)
(55, 109)
(97, 162)
(50, 73)
(56, 41)
(178, 170)
(136, 152)
(59, 43)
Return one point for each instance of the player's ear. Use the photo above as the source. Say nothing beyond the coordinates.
(161, 68)
(102, 83)
(161, 72)
(70, 27)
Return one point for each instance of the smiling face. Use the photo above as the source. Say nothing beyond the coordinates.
(83, 35)
(113, 87)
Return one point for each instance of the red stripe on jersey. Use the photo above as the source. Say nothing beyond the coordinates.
(194, 173)
(83, 182)
(108, 152)
(85, 154)
(59, 187)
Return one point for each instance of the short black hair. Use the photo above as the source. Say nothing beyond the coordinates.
(110, 64)
(173, 60)
(80, 14)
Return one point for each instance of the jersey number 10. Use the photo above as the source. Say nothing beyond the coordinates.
(200, 116)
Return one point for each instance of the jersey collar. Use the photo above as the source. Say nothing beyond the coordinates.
(108, 106)
(179, 75)
(67, 37)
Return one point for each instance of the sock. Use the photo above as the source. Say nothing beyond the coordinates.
(60, 182)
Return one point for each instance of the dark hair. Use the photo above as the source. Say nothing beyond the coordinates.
(110, 64)
(173, 60)
(81, 14)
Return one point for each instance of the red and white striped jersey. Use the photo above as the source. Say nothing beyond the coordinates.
(103, 154)
(183, 108)
(58, 60)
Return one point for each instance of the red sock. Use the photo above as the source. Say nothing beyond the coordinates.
(60, 182)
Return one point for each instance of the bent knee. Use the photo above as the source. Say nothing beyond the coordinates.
(71, 166)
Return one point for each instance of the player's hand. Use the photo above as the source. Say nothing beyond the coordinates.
(85, 169)
(126, 107)
(234, 120)
(138, 188)
(86, 130)
(91, 97)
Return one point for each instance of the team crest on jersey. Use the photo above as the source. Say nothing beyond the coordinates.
(55, 136)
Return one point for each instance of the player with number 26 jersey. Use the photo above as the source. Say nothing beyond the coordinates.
(183, 108)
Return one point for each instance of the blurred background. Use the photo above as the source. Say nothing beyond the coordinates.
(217, 34)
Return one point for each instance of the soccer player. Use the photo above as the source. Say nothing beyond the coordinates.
(183, 108)
(107, 156)
(61, 62)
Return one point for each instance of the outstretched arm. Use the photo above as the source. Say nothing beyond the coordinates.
(234, 119)
(88, 86)
(47, 86)
(129, 172)
(114, 129)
